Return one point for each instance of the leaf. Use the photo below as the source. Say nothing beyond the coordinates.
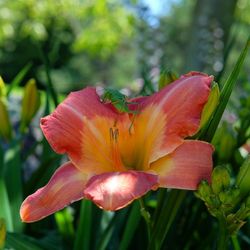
(133, 220)
(225, 95)
(13, 182)
(166, 217)
(5, 211)
(21, 242)
(19, 77)
(82, 241)
(64, 221)
(243, 178)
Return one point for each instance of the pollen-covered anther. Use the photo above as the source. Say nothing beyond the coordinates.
(115, 152)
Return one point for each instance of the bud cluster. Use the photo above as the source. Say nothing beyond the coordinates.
(224, 200)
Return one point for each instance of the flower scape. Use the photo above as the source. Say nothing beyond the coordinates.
(116, 157)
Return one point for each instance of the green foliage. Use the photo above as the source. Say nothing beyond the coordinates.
(93, 41)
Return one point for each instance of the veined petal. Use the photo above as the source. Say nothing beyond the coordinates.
(112, 191)
(65, 186)
(64, 128)
(172, 113)
(185, 167)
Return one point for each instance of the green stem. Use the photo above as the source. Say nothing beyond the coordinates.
(235, 242)
(146, 215)
(223, 235)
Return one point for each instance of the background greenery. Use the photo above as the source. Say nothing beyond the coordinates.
(66, 45)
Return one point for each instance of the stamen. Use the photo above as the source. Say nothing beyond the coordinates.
(115, 153)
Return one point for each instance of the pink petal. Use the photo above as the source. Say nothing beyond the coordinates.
(115, 190)
(63, 128)
(178, 108)
(184, 168)
(65, 186)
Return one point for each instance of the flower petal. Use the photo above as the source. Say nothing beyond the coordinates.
(184, 168)
(112, 191)
(65, 186)
(173, 113)
(63, 128)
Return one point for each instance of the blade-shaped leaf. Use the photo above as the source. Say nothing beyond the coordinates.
(5, 211)
(225, 95)
(82, 241)
(13, 182)
(131, 226)
(21, 242)
(19, 77)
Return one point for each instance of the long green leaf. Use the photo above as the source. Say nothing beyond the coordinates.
(5, 210)
(82, 241)
(21, 242)
(13, 182)
(64, 221)
(225, 95)
(49, 85)
(166, 217)
(131, 226)
(19, 77)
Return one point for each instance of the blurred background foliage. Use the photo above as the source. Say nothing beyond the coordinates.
(66, 45)
(116, 42)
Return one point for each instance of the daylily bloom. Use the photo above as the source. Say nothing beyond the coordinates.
(116, 157)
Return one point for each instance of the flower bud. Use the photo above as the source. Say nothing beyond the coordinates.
(230, 197)
(243, 178)
(2, 233)
(2, 87)
(220, 179)
(211, 104)
(166, 78)
(225, 142)
(30, 104)
(204, 190)
(5, 125)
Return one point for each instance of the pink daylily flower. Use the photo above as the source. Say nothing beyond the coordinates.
(114, 157)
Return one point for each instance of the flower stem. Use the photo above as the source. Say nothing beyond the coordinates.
(146, 215)
(235, 242)
(223, 235)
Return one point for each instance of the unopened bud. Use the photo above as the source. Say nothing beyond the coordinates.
(30, 103)
(2, 233)
(225, 142)
(211, 104)
(166, 77)
(230, 197)
(5, 125)
(220, 179)
(2, 87)
(204, 190)
(243, 178)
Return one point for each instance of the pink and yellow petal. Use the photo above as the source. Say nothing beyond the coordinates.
(69, 125)
(182, 102)
(113, 191)
(66, 186)
(185, 167)
(172, 114)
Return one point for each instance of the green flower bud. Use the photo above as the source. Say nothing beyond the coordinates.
(2, 233)
(204, 190)
(5, 125)
(30, 104)
(166, 78)
(225, 142)
(243, 178)
(220, 179)
(229, 199)
(211, 104)
(2, 87)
